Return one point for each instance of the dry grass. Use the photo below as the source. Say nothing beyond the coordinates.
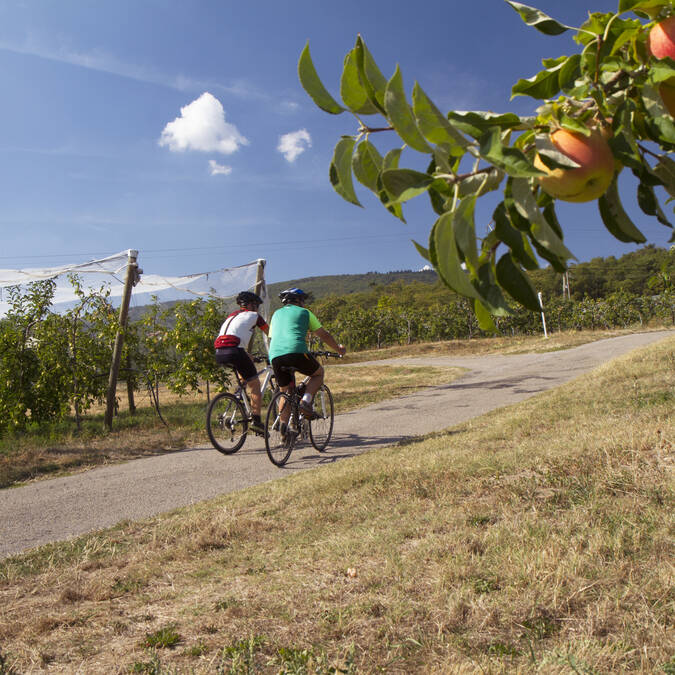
(538, 538)
(518, 344)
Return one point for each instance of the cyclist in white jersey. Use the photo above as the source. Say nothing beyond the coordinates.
(231, 343)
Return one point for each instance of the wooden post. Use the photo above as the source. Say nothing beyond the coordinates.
(260, 278)
(132, 273)
(258, 288)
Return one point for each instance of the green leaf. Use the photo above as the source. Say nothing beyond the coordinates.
(443, 160)
(404, 184)
(367, 164)
(662, 120)
(424, 252)
(518, 221)
(490, 293)
(616, 219)
(371, 78)
(478, 184)
(311, 83)
(649, 203)
(537, 19)
(622, 142)
(509, 159)
(438, 202)
(485, 321)
(340, 171)
(390, 161)
(543, 85)
(513, 238)
(640, 5)
(465, 230)
(516, 283)
(476, 122)
(434, 125)
(547, 204)
(570, 72)
(447, 262)
(572, 124)
(665, 170)
(400, 114)
(662, 70)
(354, 94)
(540, 230)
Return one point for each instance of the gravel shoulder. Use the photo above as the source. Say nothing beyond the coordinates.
(66, 507)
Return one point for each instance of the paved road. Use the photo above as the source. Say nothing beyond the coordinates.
(62, 508)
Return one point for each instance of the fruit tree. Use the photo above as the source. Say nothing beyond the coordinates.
(604, 109)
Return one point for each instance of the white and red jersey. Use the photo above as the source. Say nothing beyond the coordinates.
(238, 327)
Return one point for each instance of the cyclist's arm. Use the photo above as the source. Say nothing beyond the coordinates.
(262, 324)
(329, 340)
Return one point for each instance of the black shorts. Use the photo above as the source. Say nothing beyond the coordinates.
(239, 360)
(303, 363)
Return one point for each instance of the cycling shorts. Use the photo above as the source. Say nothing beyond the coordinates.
(303, 363)
(238, 358)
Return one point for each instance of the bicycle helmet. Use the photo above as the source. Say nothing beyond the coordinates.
(292, 295)
(247, 296)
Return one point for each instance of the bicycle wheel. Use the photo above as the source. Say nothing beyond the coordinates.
(279, 446)
(321, 428)
(226, 423)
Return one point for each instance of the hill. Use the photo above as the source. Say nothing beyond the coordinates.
(649, 269)
(344, 284)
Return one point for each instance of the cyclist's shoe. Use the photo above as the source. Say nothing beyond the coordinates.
(307, 411)
(256, 427)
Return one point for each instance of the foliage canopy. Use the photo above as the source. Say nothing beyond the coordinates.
(611, 85)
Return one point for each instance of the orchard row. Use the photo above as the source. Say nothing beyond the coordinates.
(55, 366)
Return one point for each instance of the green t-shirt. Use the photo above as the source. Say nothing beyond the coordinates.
(288, 330)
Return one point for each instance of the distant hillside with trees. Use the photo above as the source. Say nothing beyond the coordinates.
(642, 272)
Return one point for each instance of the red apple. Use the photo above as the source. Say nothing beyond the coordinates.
(661, 43)
(591, 178)
(661, 39)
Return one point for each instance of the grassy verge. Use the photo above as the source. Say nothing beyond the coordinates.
(538, 538)
(54, 450)
(519, 344)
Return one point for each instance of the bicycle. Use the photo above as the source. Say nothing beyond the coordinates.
(280, 439)
(229, 414)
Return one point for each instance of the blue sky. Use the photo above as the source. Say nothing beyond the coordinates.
(181, 130)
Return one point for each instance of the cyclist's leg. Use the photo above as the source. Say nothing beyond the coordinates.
(248, 375)
(286, 382)
(314, 370)
(315, 381)
(255, 395)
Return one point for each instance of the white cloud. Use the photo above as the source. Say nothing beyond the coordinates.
(219, 169)
(426, 268)
(293, 144)
(202, 127)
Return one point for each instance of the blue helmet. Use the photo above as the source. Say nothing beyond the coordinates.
(292, 296)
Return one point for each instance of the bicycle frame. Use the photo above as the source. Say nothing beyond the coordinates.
(240, 391)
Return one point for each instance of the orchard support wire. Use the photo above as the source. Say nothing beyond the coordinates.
(133, 275)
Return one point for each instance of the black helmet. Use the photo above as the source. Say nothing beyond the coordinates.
(292, 295)
(247, 296)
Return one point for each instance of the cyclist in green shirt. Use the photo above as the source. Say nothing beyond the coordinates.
(288, 345)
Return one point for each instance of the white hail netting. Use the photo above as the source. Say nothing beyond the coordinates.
(111, 271)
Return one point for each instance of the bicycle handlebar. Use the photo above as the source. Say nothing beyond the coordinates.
(260, 358)
(333, 355)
